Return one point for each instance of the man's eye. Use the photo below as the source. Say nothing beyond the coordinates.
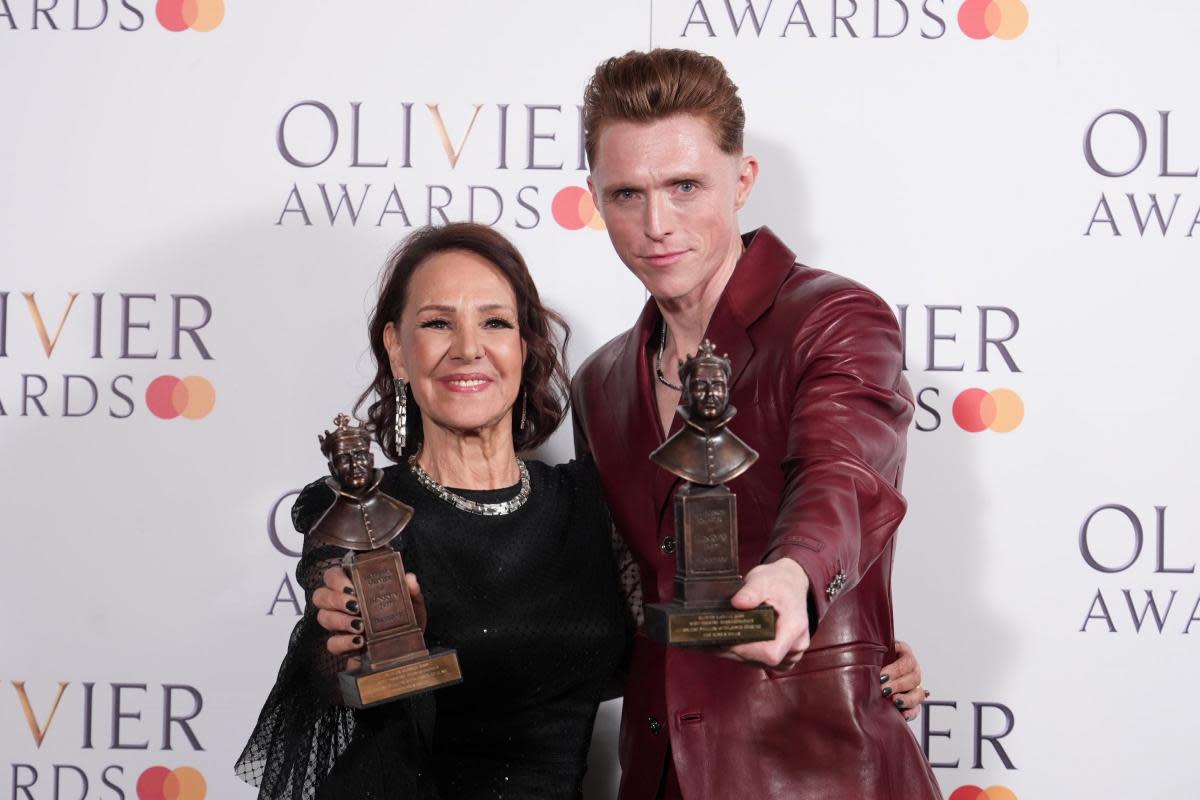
(687, 186)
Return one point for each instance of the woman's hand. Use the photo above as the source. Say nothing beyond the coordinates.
(338, 611)
(901, 682)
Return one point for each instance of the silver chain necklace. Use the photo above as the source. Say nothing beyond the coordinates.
(658, 370)
(472, 506)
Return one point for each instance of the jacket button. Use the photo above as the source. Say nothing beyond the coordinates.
(668, 545)
(654, 725)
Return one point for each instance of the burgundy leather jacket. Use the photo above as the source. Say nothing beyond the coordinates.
(820, 395)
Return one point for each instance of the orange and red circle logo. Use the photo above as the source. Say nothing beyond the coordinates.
(1000, 410)
(976, 793)
(199, 15)
(169, 397)
(1004, 19)
(181, 783)
(573, 209)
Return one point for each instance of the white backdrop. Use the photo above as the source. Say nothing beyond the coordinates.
(994, 189)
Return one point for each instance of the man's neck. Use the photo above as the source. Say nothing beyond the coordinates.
(687, 317)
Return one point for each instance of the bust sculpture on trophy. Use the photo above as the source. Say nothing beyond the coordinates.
(364, 521)
(706, 454)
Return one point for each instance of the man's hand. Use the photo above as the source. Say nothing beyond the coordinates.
(901, 682)
(782, 584)
(338, 611)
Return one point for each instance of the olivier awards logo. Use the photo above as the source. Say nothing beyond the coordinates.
(1132, 151)
(954, 339)
(883, 19)
(102, 345)
(124, 15)
(402, 164)
(83, 736)
(1113, 544)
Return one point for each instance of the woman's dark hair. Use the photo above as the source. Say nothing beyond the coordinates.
(544, 381)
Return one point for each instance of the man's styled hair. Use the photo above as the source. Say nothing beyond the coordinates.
(644, 87)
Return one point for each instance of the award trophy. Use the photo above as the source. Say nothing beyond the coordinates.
(706, 454)
(363, 520)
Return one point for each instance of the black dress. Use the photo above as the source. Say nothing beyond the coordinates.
(530, 601)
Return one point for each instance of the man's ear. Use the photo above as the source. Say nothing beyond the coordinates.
(747, 175)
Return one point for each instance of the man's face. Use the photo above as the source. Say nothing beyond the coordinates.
(669, 198)
(352, 468)
(707, 391)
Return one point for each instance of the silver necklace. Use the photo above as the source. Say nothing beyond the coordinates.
(658, 370)
(472, 506)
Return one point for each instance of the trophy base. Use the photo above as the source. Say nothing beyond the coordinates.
(371, 687)
(716, 624)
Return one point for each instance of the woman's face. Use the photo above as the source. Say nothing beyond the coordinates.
(457, 343)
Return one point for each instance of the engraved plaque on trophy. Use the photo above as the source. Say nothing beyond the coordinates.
(706, 454)
(364, 520)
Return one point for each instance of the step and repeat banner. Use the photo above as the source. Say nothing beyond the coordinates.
(196, 201)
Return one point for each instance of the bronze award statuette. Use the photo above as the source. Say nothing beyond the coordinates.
(706, 454)
(364, 520)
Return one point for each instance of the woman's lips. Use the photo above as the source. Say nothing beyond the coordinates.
(466, 383)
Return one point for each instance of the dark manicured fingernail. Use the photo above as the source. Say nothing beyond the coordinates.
(887, 691)
(357, 641)
(899, 704)
(884, 678)
(348, 589)
(352, 606)
(356, 624)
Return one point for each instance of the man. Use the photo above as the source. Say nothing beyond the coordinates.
(817, 380)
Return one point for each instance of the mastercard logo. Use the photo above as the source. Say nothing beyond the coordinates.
(573, 209)
(990, 793)
(1000, 410)
(182, 783)
(1004, 19)
(199, 15)
(169, 397)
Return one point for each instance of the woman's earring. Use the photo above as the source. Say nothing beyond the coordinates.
(524, 408)
(399, 385)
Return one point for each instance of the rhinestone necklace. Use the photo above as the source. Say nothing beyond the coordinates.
(658, 370)
(472, 506)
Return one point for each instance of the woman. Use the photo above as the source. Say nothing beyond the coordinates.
(516, 568)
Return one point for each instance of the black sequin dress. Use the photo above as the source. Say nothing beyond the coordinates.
(531, 602)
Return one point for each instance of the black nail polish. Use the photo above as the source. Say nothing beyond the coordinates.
(887, 691)
(899, 704)
(352, 606)
(884, 678)
(357, 641)
(356, 624)
(348, 589)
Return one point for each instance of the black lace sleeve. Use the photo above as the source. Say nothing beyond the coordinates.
(306, 745)
(626, 573)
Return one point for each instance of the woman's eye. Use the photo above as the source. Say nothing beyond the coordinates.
(437, 323)
(498, 322)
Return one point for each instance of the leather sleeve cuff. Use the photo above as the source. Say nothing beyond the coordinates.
(807, 555)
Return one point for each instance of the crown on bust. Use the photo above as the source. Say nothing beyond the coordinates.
(707, 354)
(345, 437)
